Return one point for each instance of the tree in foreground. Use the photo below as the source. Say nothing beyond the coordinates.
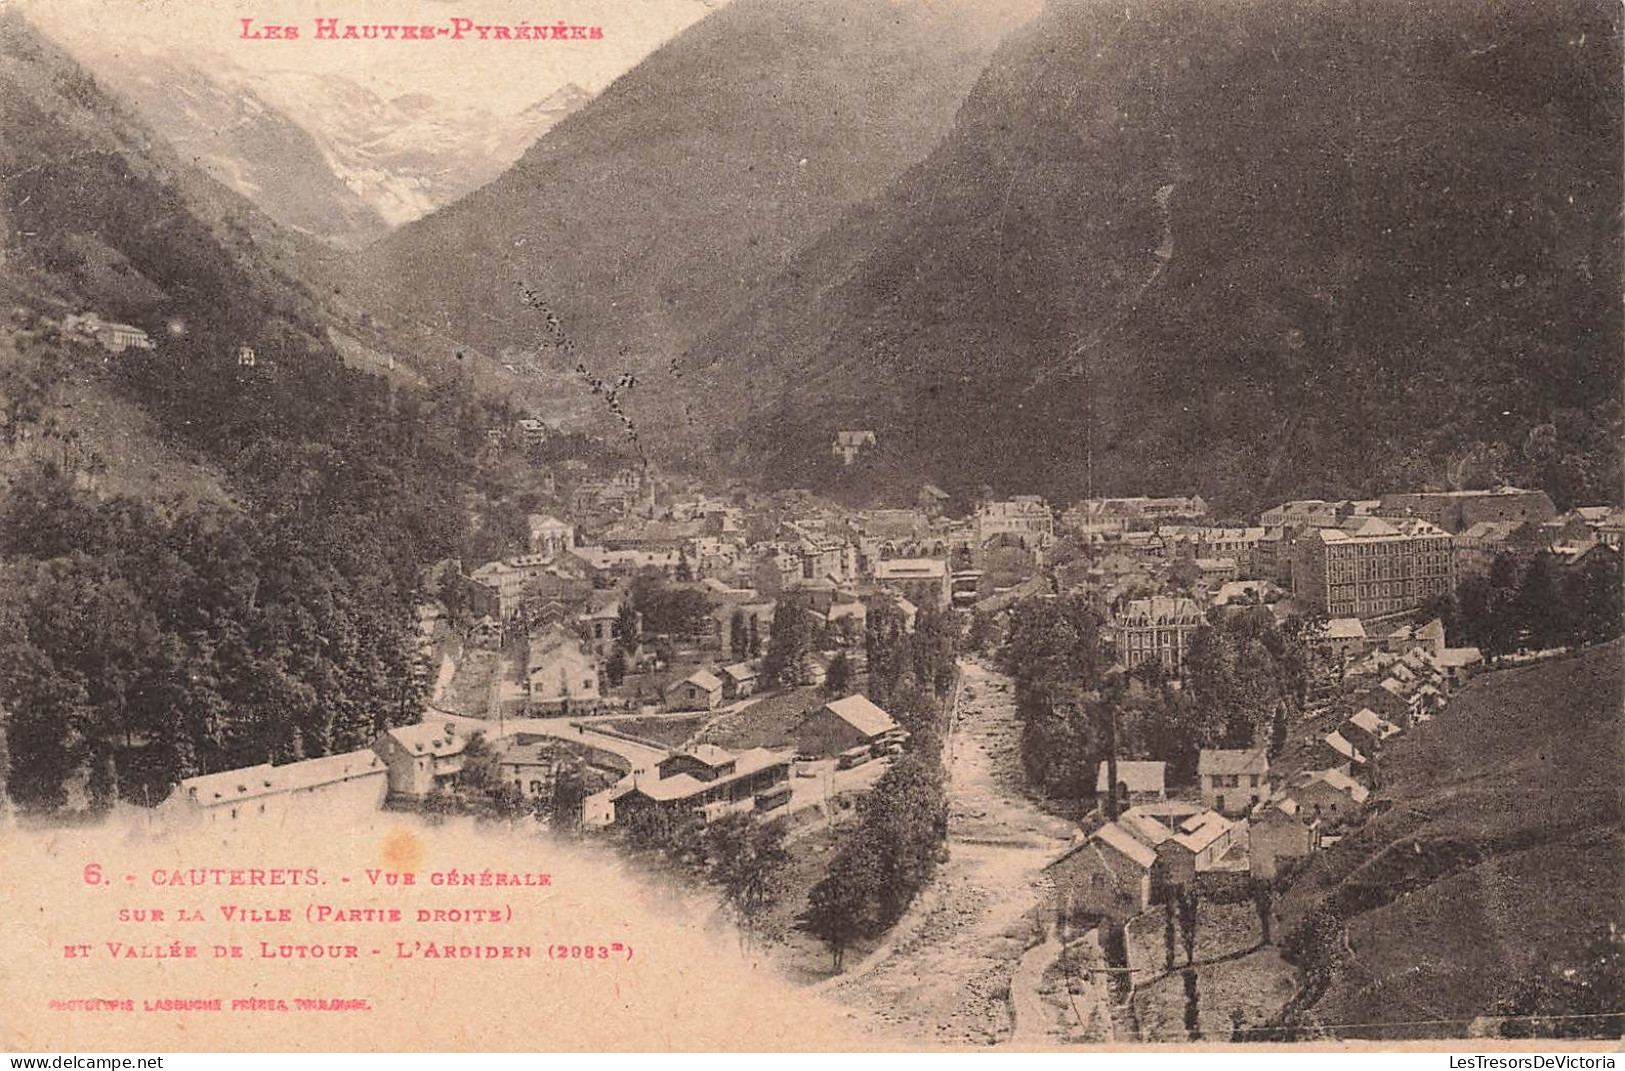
(626, 627)
(1187, 922)
(1595, 595)
(748, 859)
(838, 678)
(794, 638)
(564, 805)
(843, 907)
(43, 711)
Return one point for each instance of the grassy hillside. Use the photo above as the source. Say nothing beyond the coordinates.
(107, 441)
(1251, 249)
(1498, 853)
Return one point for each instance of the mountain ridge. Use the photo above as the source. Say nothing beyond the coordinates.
(323, 153)
(662, 205)
(1251, 250)
(98, 212)
(248, 144)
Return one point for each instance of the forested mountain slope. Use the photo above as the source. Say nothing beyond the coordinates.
(653, 213)
(1252, 249)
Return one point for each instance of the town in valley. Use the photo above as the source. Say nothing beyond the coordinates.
(1147, 728)
(999, 539)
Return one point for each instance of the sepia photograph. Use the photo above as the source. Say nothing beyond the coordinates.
(799, 526)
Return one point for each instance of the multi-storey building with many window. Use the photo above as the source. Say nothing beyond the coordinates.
(1024, 517)
(1456, 511)
(1374, 566)
(1158, 628)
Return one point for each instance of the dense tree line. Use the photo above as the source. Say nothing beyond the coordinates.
(892, 850)
(185, 643)
(905, 665)
(1244, 677)
(147, 642)
(1535, 604)
(1055, 654)
(885, 857)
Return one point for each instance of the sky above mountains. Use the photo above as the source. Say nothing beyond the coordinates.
(503, 76)
(344, 138)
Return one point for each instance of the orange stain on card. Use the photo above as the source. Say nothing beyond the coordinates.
(403, 851)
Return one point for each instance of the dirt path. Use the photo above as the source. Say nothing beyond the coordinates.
(960, 960)
(1035, 1020)
(442, 680)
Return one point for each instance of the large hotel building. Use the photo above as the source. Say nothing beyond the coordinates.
(1373, 566)
(1159, 628)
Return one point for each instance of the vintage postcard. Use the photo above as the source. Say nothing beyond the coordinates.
(811, 524)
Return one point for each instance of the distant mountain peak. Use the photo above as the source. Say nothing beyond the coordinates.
(567, 98)
(321, 152)
(246, 142)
